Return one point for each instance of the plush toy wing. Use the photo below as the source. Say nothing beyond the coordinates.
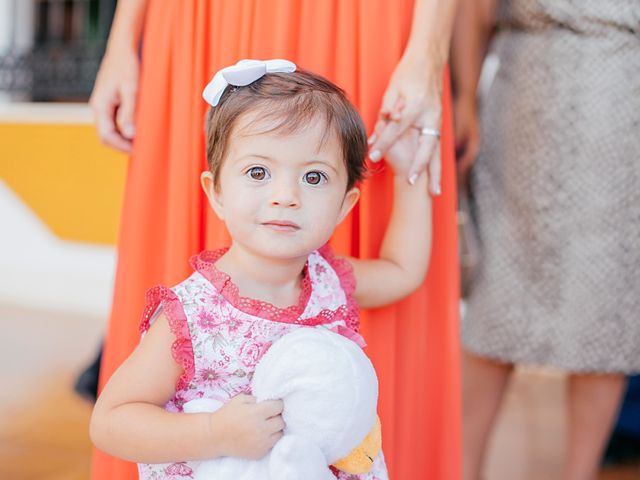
(298, 458)
(330, 392)
(232, 468)
(328, 385)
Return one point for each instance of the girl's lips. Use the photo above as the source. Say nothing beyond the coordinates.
(282, 226)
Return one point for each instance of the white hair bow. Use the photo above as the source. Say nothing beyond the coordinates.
(243, 73)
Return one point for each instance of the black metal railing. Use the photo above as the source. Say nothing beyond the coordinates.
(61, 62)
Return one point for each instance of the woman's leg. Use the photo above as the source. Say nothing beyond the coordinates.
(593, 402)
(483, 385)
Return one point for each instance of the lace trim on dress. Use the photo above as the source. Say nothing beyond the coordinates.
(182, 348)
(344, 270)
(205, 264)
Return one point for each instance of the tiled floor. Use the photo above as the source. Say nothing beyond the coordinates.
(43, 425)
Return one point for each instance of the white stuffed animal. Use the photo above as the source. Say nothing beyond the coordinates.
(330, 392)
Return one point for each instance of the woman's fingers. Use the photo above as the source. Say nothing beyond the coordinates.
(395, 115)
(105, 109)
(126, 112)
(466, 152)
(427, 145)
(391, 102)
(388, 113)
(469, 154)
(105, 123)
(115, 140)
(113, 100)
(427, 158)
(435, 171)
(391, 130)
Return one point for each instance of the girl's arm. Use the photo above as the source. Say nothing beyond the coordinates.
(129, 420)
(413, 96)
(113, 99)
(405, 250)
(474, 24)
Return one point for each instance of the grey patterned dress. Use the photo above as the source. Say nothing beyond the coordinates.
(557, 189)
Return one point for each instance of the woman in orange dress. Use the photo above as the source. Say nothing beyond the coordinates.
(389, 57)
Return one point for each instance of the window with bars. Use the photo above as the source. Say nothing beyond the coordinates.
(50, 50)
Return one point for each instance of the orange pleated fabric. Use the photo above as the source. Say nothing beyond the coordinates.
(355, 43)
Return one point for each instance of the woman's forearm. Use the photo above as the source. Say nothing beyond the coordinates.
(127, 24)
(473, 26)
(431, 29)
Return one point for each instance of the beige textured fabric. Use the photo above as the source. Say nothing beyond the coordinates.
(557, 189)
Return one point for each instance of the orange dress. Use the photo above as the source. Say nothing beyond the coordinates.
(165, 220)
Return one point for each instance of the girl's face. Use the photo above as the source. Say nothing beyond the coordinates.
(281, 196)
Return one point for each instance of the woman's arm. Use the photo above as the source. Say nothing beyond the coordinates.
(474, 24)
(413, 96)
(405, 250)
(431, 28)
(114, 95)
(129, 420)
(127, 24)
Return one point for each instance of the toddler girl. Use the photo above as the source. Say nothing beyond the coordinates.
(285, 152)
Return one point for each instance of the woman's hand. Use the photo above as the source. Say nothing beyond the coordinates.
(114, 98)
(248, 429)
(401, 154)
(412, 101)
(467, 134)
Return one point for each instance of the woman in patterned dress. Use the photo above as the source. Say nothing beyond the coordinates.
(557, 193)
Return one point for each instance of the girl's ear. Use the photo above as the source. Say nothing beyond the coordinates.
(350, 199)
(212, 193)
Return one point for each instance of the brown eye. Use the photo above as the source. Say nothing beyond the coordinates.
(314, 178)
(257, 173)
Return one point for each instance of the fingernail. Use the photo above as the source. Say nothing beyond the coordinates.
(372, 139)
(437, 190)
(129, 130)
(375, 155)
(413, 178)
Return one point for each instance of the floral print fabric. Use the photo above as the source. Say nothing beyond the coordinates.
(220, 336)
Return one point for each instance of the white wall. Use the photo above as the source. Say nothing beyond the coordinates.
(39, 270)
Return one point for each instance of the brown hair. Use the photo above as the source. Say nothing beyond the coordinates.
(293, 100)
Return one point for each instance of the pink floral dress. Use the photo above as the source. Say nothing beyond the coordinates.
(220, 336)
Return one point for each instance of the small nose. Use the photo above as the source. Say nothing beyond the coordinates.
(285, 193)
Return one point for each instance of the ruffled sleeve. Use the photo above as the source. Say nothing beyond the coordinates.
(158, 299)
(344, 270)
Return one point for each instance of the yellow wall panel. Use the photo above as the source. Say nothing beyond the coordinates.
(67, 177)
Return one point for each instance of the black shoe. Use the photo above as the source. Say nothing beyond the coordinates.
(622, 449)
(87, 382)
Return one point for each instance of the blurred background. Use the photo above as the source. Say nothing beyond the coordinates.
(60, 195)
(60, 198)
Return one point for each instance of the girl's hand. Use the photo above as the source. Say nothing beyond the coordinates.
(412, 101)
(113, 99)
(401, 155)
(467, 134)
(249, 429)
